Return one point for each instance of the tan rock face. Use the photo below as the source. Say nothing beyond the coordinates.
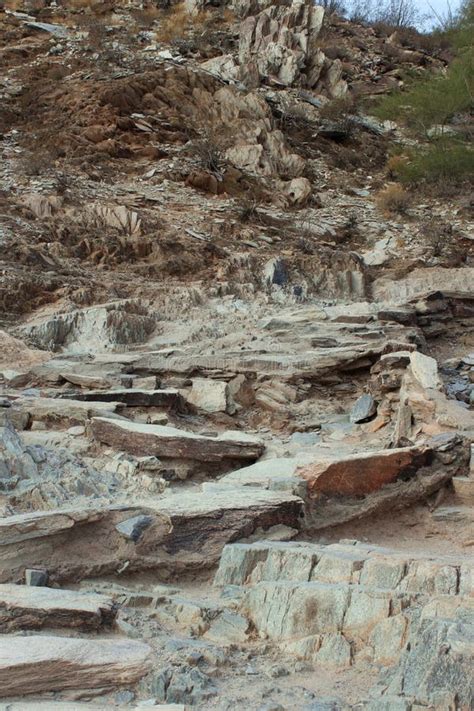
(171, 442)
(278, 42)
(30, 665)
(362, 473)
(185, 531)
(24, 607)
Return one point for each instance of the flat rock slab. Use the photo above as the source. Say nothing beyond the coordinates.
(70, 543)
(420, 283)
(24, 607)
(185, 531)
(363, 473)
(170, 399)
(34, 664)
(309, 364)
(50, 409)
(158, 441)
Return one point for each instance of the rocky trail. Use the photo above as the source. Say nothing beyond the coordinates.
(236, 393)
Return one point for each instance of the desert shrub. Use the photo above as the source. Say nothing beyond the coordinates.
(437, 98)
(394, 198)
(395, 165)
(333, 6)
(444, 163)
(338, 109)
(433, 100)
(207, 153)
(174, 24)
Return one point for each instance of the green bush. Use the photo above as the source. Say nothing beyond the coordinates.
(438, 97)
(433, 100)
(444, 163)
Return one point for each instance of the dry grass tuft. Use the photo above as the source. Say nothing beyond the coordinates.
(394, 199)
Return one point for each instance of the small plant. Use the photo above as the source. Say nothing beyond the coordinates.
(248, 210)
(444, 163)
(174, 24)
(394, 198)
(208, 154)
(395, 165)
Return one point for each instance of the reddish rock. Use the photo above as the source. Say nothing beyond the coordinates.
(363, 473)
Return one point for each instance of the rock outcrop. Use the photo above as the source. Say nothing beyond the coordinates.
(30, 665)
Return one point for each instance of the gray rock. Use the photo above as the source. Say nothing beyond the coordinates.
(37, 578)
(133, 528)
(364, 408)
(326, 705)
(305, 439)
(228, 628)
(437, 665)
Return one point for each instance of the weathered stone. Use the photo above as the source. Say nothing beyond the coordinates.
(421, 283)
(365, 610)
(132, 528)
(425, 370)
(86, 381)
(132, 397)
(281, 610)
(363, 473)
(228, 628)
(209, 395)
(34, 664)
(238, 561)
(335, 651)
(173, 443)
(56, 410)
(436, 665)
(364, 408)
(36, 578)
(388, 638)
(187, 531)
(384, 573)
(115, 323)
(23, 607)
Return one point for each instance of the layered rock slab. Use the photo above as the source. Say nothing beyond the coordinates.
(340, 488)
(131, 397)
(35, 664)
(57, 410)
(23, 607)
(186, 531)
(158, 441)
(334, 604)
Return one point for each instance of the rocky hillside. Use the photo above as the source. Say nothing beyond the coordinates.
(236, 366)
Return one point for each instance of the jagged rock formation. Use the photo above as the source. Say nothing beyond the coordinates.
(278, 42)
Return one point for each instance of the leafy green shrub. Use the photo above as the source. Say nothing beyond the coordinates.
(438, 97)
(433, 100)
(444, 162)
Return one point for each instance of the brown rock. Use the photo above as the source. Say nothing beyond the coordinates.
(34, 664)
(173, 443)
(363, 473)
(23, 607)
(187, 531)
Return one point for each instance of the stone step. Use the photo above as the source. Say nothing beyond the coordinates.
(38, 663)
(170, 442)
(131, 397)
(371, 567)
(186, 529)
(24, 607)
(464, 489)
(456, 513)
